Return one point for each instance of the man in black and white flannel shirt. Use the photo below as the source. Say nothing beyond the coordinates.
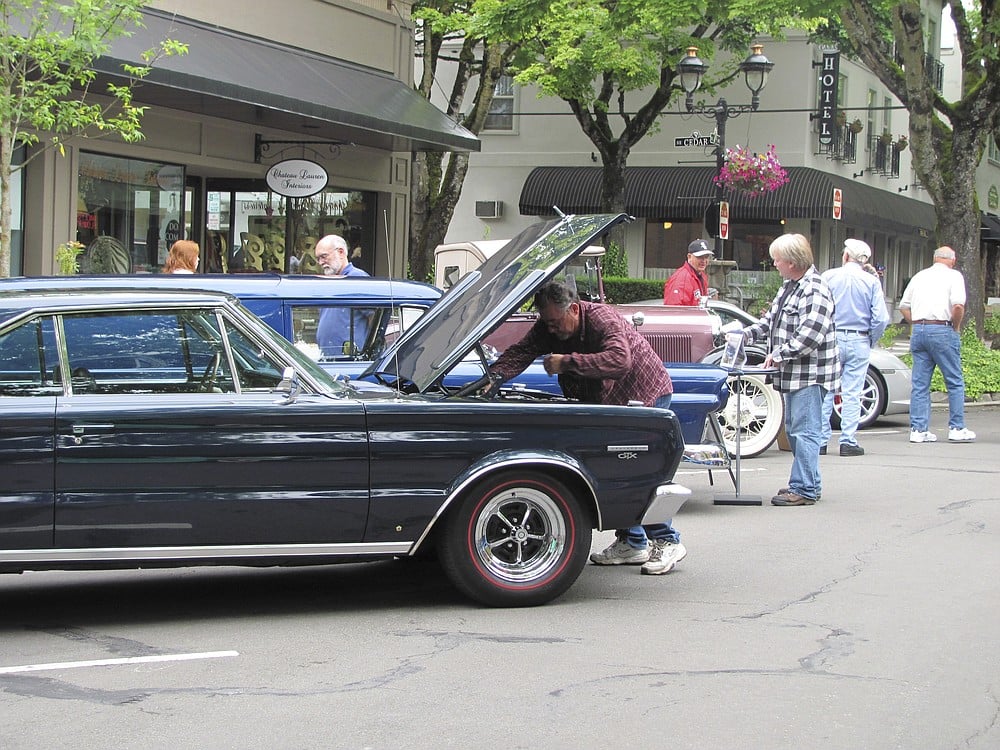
(802, 345)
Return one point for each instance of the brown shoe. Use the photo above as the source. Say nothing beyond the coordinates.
(791, 498)
(788, 490)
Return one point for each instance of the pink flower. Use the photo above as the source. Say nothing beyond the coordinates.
(753, 174)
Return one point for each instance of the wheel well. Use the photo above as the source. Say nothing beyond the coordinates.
(573, 481)
(883, 389)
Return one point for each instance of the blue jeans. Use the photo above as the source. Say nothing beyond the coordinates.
(933, 345)
(639, 536)
(803, 414)
(855, 351)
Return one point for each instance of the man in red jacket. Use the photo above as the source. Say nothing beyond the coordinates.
(689, 284)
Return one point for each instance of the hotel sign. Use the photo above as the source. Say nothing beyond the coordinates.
(828, 83)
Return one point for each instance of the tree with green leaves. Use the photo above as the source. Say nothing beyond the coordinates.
(947, 138)
(47, 50)
(614, 62)
(448, 36)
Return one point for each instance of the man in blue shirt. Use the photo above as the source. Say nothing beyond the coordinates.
(339, 325)
(861, 318)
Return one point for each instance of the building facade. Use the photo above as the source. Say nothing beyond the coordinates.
(323, 87)
(856, 184)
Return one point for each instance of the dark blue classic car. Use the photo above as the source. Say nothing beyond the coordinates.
(172, 428)
(380, 310)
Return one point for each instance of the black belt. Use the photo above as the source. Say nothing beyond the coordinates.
(933, 322)
(850, 330)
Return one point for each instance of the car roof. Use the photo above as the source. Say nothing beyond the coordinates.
(16, 301)
(246, 286)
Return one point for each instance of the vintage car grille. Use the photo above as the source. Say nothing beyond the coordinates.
(672, 347)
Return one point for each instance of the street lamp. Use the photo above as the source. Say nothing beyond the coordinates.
(691, 70)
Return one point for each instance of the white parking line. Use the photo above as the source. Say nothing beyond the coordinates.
(113, 662)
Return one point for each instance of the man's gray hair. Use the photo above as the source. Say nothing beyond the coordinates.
(794, 249)
(555, 293)
(945, 252)
(336, 241)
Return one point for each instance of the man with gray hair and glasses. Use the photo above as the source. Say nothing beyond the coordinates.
(934, 305)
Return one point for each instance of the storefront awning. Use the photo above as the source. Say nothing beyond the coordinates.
(990, 231)
(234, 76)
(683, 193)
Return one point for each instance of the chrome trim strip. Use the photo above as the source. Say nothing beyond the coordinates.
(232, 552)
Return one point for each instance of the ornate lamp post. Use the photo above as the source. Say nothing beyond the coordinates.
(691, 70)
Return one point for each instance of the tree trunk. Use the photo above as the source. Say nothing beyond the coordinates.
(6, 154)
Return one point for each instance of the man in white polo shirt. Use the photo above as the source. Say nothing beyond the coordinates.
(934, 305)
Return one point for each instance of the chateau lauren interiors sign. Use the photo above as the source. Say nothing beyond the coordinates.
(297, 178)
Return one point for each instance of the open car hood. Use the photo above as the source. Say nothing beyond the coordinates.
(482, 299)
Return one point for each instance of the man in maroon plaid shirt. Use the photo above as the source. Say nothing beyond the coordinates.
(600, 359)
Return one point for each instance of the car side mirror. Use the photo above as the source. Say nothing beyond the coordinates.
(289, 387)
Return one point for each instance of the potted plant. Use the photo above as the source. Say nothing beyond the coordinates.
(841, 118)
(856, 126)
(67, 257)
(886, 138)
(902, 143)
(750, 173)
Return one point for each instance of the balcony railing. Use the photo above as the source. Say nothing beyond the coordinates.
(933, 69)
(883, 156)
(843, 147)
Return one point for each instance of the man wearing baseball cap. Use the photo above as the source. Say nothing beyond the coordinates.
(689, 284)
(860, 317)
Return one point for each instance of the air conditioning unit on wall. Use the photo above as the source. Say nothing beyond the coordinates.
(489, 209)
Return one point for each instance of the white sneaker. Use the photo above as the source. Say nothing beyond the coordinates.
(663, 556)
(620, 553)
(961, 436)
(922, 437)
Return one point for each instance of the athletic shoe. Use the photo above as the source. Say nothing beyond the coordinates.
(791, 498)
(922, 437)
(786, 490)
(620, 553)
(663, 556)
(851, 449)
(961, 435)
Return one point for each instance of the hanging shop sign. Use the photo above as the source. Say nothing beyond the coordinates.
(829, 81)
(297, 178)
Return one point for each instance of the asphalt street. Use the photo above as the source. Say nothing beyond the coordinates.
(869, 620)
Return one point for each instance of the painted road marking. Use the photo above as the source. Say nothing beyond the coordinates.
(113, 662)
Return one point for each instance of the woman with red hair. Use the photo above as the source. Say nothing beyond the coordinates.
(183, 257)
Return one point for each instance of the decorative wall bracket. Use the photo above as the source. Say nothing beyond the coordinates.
(262, 147)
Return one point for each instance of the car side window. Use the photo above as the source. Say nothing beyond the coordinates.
(339, 332)
(256, 369)
(28, 356)
(147, 351)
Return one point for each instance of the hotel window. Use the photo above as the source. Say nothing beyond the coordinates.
(501, 115)
(870, 103)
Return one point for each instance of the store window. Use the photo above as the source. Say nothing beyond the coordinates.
(251, 229)
(129, 212)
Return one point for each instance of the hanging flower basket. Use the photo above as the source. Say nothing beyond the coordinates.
(856, 126)
(751, 174)
(902, 143)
